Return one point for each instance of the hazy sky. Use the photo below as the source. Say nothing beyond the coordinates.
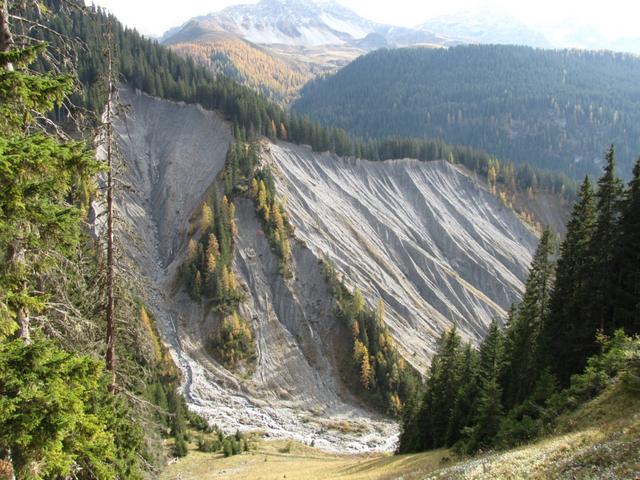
(613, 18)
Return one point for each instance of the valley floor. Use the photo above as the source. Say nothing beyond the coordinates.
(281, 459)
(601, 440)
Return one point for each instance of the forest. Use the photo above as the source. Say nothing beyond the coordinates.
(552, 109)
(234, 58)
(146, 65)
(575, 331)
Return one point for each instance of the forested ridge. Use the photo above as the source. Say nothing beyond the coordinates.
(575, 332)
(154, 69)
(247, 64)
(553, 109)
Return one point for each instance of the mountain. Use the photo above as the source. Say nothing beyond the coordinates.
(485, 26)
(451, 237)
(217, 273)
(275, 46)
(300, 23)
(273, 75)
(290, 22)
(425, 237)
(552, 109)
(573, 34)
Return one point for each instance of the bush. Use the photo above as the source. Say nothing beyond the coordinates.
(180, 449)
(619, 355)
(199, 423)
(227, 448)
(209, 446)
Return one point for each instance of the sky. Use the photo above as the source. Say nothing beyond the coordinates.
(613, 18)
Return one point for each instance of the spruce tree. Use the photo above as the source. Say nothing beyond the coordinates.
(488, 410)
(38, 174)
(461, 415)
(563, 338)
(627, 282)
(603, 247)
(441, 389)
(522, 333)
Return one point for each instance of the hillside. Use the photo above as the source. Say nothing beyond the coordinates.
(423, 236)
(202, 269)
(272, 75)
(470, 256)
(275, 46)
(552, 109)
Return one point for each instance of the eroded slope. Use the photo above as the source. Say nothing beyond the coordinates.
(424, 236)
(172, 154)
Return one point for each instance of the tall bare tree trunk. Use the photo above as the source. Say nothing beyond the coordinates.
(6, 39)
(16, 254)
(110, 356)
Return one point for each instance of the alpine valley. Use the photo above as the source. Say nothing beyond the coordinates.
(285, 241)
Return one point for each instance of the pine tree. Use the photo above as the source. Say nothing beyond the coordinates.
(603, 246)
(522, 333)
(565, 343)
(627, 275)
(488, 410)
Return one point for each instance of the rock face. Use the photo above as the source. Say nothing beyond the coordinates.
(423, 236)
(172, 154)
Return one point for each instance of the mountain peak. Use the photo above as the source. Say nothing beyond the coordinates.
(289, 22)
(483, 25)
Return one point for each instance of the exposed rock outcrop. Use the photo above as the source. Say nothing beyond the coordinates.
(437, 247)
(424, 236)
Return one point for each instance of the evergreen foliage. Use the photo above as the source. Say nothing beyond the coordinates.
(57, 419)
(523, 331)
(553, 109)
(562, 336)
(627, 259)
(560, 345)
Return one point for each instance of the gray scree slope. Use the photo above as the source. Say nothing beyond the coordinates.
(424, 236)
(172, 153)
